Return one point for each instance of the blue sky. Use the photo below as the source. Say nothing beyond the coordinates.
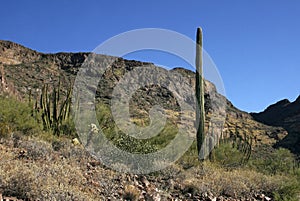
(255, 44)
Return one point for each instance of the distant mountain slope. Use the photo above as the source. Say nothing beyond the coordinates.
(287, 115)
(22, 69)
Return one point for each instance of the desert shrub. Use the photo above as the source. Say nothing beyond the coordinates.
(128, 143)
(279, 161)
(190, 187)
(296, 171)
(16, 116)
(36, 149)
(57, 145)
(5, 129)
(19, 184)
(240, 182)
(131, 193)
(42, 179)
(104, 115)
(68, 128)
(228, 156)
(288, 191)
(133, 145)
(189, 158)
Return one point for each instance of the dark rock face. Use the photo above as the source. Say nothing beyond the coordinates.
(287, 115)
(24, 69)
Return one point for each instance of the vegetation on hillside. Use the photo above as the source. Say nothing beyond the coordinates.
(35, 164)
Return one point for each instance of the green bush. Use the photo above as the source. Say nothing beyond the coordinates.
(289, 191)
(278, 161)
(228, 156)
(16, 116)
(128, 143)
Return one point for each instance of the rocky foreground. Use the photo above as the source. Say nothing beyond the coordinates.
(34, 169)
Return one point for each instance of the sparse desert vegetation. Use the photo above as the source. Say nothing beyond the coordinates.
(36, 164)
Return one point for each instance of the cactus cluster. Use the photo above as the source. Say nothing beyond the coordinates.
(55, 110)
(244, 144)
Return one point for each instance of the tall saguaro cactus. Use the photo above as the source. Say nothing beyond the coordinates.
(200, 113)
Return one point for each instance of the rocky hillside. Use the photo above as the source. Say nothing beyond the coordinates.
(287, 115)
(25, 71)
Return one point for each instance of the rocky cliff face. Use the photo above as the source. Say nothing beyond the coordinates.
(287, 115)
(23, 70)
(13, 53)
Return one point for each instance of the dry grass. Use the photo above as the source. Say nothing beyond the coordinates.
(131, 193)
(236, 183)
(42, 173)
(31, 168)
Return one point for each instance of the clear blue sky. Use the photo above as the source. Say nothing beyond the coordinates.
(255, 44)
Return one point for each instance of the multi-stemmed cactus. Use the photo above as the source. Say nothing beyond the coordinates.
(55, 112)
(200, 113)
(244, 144)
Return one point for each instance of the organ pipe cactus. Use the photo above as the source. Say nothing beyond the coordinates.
(55, 112)
(243, 144)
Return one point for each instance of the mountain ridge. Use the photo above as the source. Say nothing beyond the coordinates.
(23, 70)
(285, 114)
